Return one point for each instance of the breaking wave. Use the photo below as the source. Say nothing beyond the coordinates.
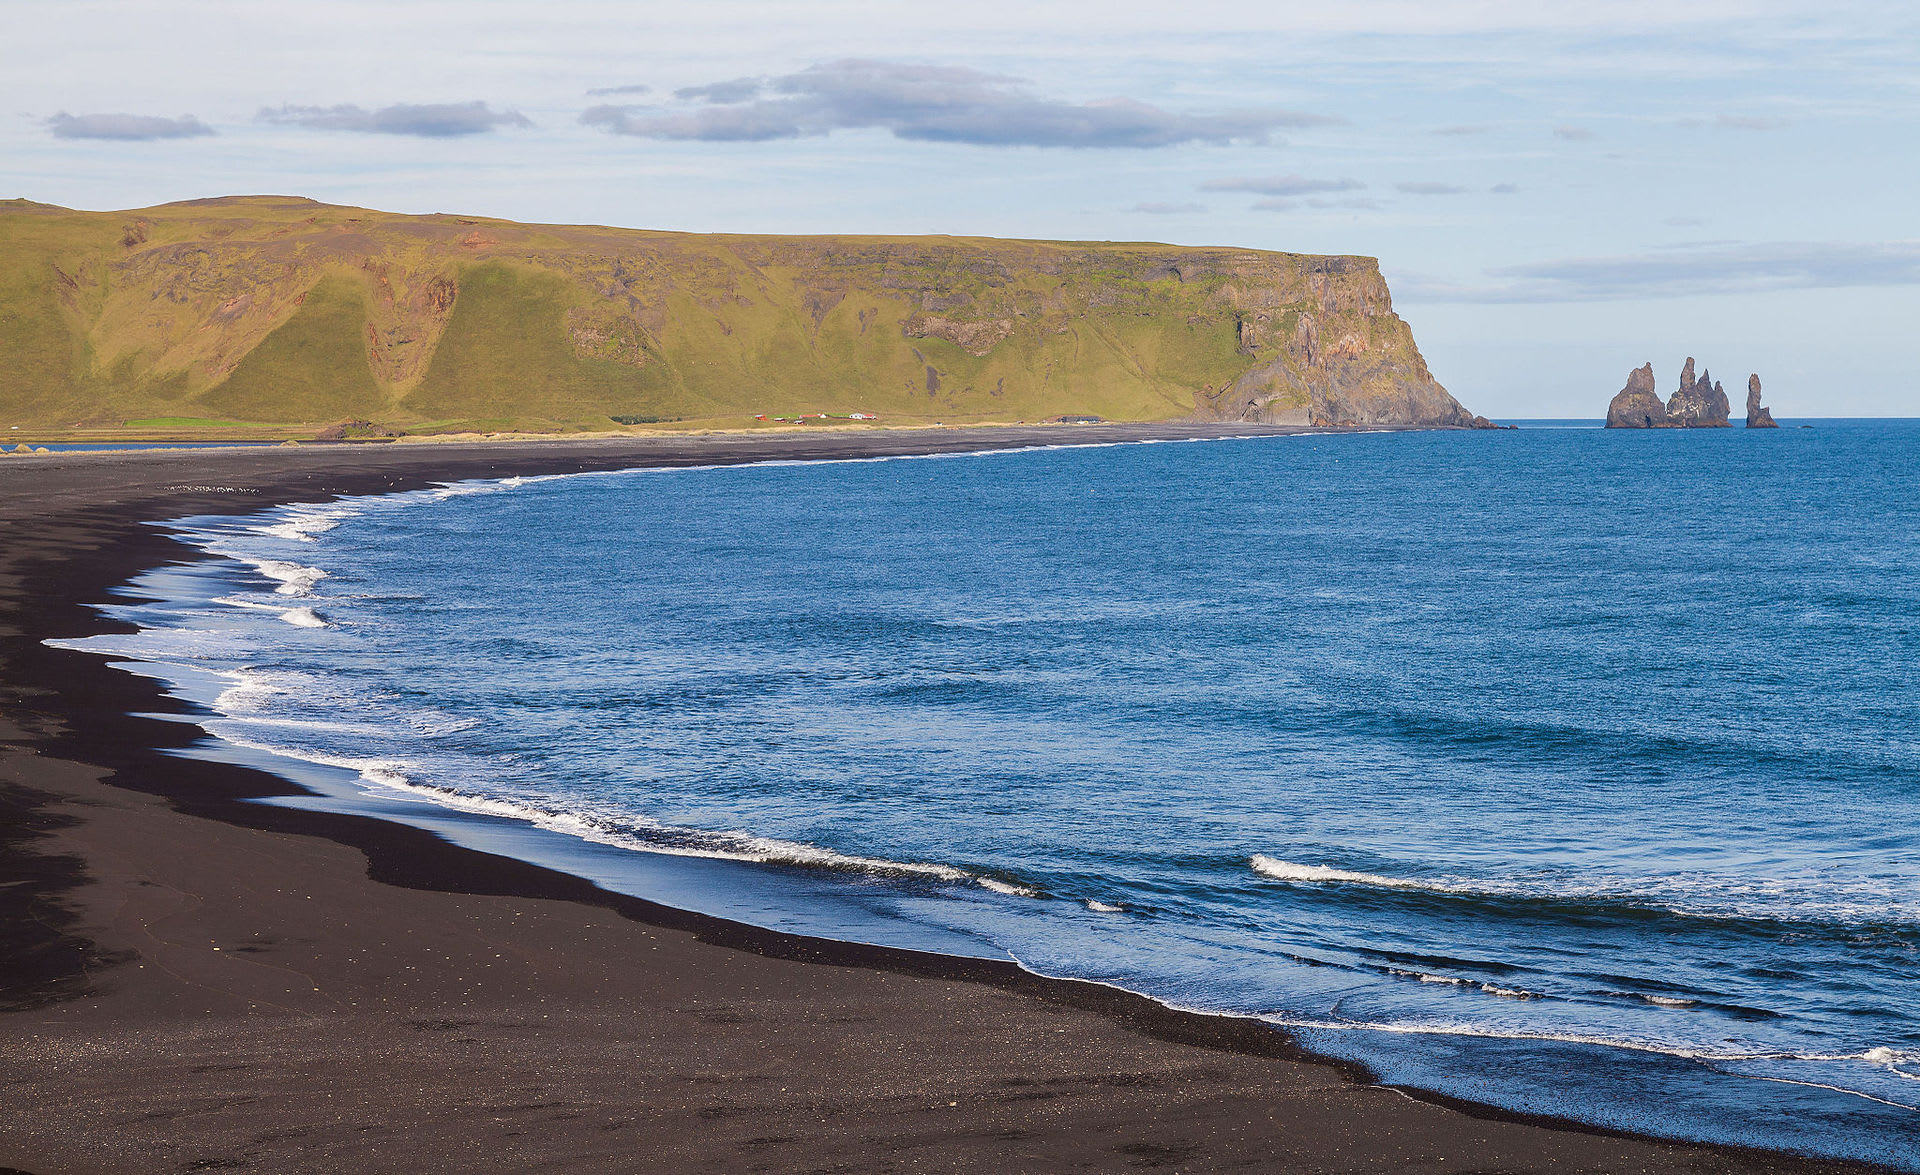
(1278, 870)
(1784, 900)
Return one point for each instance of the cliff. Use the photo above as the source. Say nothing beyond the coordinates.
(283, 311)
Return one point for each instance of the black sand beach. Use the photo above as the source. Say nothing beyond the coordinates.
(193, 982)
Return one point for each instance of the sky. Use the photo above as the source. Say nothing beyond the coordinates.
(1557, 193)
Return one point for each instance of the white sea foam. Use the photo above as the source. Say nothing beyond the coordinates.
(296, 579)
(1278, 870)
(768, 850)
(231, 729)
(253, 692)
(1892, 1059)
(1100, 907)
(1707, 1056)
(304, 618)
(301, 531)
(627, 831)
(463, 489)
(1007, 887)
(248, 691)
(1492, 989)
(301, 523)
(243, 602)
(247, 709)
(1458, 1028)
(1685, 895)
(1879, 1056)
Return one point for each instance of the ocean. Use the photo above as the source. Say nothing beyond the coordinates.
(1566, 771)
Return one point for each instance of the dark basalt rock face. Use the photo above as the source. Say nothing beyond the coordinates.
(1699, 403)
(1757, 417)
(1638, 405)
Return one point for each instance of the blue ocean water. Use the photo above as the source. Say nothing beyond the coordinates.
(1564, 770)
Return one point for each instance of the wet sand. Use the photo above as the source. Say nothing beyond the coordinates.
(192, 982)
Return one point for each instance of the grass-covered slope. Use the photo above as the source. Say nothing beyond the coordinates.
(507, 353)
(316, 360)
(277, 311)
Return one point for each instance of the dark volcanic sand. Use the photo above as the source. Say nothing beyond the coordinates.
(191, 983)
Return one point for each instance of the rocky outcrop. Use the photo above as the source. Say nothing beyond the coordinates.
(1330, 353)
(1699, 403)
(1757, 417)
(1637, 405)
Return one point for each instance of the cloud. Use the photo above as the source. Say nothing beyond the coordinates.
(125, 127)
(1706, 244)
(1504, 189)
(1740, 122)
(1573, 134)
(1164, 208)
(737, 90)
(1708, 267)
(1359, 203)
(928, 103)
(1429, 189)
(1282, 185)
(605, 91)
(438, 120)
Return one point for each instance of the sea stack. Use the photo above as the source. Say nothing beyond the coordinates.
(1757, 417)
(1637, 405)
(1699, 403)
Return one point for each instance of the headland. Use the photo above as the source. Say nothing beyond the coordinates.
(275, 317)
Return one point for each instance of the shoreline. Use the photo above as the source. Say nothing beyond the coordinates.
(1199, 1091)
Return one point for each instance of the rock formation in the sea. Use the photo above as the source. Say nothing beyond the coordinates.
(282, 310)
(1699, 403)
(1757, 417)
(1637, 405)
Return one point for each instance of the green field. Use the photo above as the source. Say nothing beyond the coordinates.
(188, 422)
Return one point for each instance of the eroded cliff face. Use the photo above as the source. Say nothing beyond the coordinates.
(1329, 350)
(281, 309)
